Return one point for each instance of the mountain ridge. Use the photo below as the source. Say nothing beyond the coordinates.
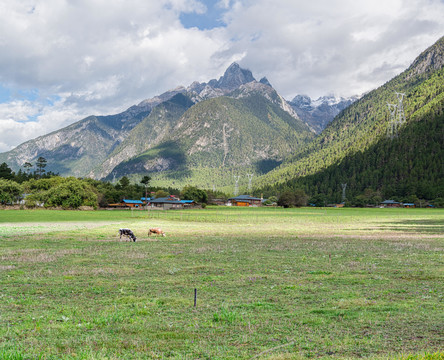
(95, 145)
(216, 134)
(366, 122)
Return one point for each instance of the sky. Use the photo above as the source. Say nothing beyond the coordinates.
(63, 60)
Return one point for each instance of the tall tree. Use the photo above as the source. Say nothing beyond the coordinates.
(145, 181)
(193, 193)
(123, 182)
(27, 166)
(41, 164)
(6, 172)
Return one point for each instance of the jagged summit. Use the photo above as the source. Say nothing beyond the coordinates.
(301, 101)
(318, 113)
(234, 77)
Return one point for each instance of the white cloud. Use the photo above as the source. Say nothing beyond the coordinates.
(100, 57)
(318, 46)
(16, 127)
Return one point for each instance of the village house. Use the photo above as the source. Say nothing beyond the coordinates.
(391, 203)
(409, 205)
(244, 200)
(167, 203)
(132, 204)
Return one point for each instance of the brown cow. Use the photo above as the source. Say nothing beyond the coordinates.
(156, 230)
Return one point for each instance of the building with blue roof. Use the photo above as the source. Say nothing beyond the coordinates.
(128, 204)
(409, 205)
(167, 203)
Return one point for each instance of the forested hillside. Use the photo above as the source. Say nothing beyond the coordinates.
(408, 166)
(223, 136)
(152, 130)
(355, 149)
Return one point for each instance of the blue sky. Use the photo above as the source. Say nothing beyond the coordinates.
(211, 17)
(61, 61)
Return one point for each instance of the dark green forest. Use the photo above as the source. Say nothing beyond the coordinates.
(408, 166)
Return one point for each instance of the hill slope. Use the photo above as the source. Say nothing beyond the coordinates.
(359, 136)
(78, 148)
(151, 131)
(224, 135)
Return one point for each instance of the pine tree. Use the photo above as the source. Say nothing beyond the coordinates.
(41, 164)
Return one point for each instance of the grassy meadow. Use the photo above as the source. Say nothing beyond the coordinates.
(271, 284)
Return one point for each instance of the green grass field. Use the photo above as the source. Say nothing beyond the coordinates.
(271, 284)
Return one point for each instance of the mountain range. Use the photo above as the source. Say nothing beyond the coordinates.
(320, 112)
(207, 134)
(216, 127)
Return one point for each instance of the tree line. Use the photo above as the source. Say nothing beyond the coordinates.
(41, 188)
(362, 173)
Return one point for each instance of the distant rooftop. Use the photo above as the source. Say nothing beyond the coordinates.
(133, 202)
(166, 200)
(244, 197)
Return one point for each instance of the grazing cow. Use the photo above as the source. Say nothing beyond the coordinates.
(128, 233)
(157, 231)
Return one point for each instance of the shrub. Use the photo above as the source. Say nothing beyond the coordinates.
(69, 193)
(193, 193)
(10, 191)
(439, 202)
(287, 199)
(293, 198)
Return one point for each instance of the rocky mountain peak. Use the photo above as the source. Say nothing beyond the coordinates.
(234, 77)
(318, 113)
(301, 101)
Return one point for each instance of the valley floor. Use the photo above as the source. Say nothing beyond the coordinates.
(270, 284)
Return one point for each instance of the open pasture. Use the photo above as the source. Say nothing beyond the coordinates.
(271, 284)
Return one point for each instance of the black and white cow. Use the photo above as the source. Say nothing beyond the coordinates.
(128, 233)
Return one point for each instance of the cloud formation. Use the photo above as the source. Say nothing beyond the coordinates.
(100, 57)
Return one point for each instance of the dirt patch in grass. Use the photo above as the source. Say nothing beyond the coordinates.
(376, 236)
(36, 255)
(97, 271)
(6, 267)
(8, 229)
